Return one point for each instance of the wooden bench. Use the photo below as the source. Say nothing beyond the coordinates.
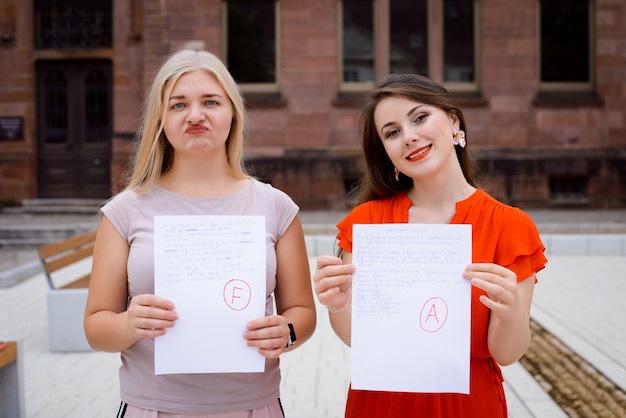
(67, 265)
(11, 379)
(66, 253)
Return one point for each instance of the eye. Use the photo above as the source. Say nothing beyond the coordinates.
(420, 118)
(390, 133)
(177, 106)
(210, 103)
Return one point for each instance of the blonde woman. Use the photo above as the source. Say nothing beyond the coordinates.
(190, 162)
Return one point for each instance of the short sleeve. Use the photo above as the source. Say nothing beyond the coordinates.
(521, 249)
(118, 210)
(286, 211)
(359, 215)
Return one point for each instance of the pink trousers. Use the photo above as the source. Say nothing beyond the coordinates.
(272, 410)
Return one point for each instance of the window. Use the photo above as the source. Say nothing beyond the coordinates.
(358, 41)
(459, 41)
(565, 47)
(436, 38)
(568, 190)
(66, 24)
(408, 36)
(251, 43)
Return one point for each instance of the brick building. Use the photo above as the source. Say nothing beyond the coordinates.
(542, 85)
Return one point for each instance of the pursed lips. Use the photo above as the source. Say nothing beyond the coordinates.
(195, 130)
(419, 153)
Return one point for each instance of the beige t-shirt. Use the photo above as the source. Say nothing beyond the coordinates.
(132, 214)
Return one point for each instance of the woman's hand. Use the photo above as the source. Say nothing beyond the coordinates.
(149, 316)
(509, 301)
(333, 282)
(270, 334)
(500, 286)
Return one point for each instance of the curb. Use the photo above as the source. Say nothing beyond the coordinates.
(18, 274)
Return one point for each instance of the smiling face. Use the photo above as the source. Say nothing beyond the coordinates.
(199, 115)
(416, 137)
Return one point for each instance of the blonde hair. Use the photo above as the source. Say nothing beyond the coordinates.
(154, 154)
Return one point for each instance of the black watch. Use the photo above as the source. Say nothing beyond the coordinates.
(292, 336)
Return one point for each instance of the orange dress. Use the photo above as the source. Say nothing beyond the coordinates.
(502, 235)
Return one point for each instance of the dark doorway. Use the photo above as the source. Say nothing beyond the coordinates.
(74, 126)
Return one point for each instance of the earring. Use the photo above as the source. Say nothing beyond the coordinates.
(459, 138)
(396, 173)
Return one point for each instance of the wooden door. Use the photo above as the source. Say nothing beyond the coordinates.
(74, 128)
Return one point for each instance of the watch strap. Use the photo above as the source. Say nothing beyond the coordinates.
(292, 336)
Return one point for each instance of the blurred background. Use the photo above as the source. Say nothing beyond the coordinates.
(542, 85)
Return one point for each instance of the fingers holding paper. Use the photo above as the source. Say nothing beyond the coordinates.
(499, 284)
(150, 316)
(333, 281)
(270, 334)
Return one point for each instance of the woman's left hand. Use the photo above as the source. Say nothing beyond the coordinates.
(500, 286)
(270, 334)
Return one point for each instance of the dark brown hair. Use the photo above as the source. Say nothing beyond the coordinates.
(379, 180)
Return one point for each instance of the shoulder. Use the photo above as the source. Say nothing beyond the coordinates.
(120, 210)
(484, 205)
(268, 189)
(268, 192)
(125, 199)
(505, 235)
(360, 214)
(278, 207)
(388, 210)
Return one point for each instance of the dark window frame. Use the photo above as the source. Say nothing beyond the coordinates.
(564, 86)
(254, 89)
(435, 44)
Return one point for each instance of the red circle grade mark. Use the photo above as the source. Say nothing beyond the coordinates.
(434, 314)
(237, 294)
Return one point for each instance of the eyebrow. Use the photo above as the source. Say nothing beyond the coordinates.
(408, 114)
(204, 96)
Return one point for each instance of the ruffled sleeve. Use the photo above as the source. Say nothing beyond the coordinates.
(502, 234)
(359, 215)
(521, 249)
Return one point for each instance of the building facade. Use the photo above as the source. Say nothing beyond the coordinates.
(542, 85)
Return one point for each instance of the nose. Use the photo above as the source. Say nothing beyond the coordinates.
(195, 115)
(410, 136)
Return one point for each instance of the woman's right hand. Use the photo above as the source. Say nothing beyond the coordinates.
(149, 316)
(333, 282)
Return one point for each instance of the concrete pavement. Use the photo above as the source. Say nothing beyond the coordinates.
(578, 298)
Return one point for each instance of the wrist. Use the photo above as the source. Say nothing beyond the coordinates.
(337, 309)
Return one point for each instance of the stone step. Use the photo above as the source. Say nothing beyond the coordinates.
(36, 242)
(55, 206)
(25, 234)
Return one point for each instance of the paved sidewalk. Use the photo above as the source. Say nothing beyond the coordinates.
(578, 299)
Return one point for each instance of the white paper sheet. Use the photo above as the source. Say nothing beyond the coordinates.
(213, 269)
(411, 308)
